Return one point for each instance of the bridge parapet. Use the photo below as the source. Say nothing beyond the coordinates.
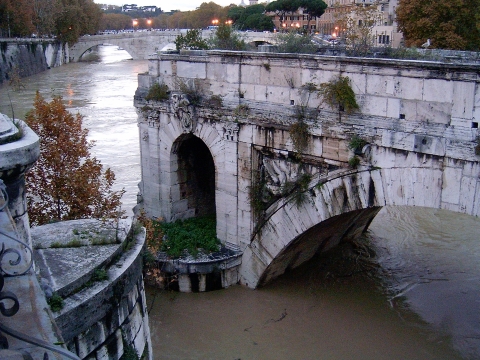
(419, 120)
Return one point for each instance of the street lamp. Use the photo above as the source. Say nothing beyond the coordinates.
(228, 22)
(134, 23)
(215, 22)
(149, 23)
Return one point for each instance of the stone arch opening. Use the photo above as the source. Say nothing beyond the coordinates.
(319, 238)
(352, 199)
(196, 176)
(87, 51)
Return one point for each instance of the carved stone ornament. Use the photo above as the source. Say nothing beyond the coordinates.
(152, 115)
(230, 131)
(278, 172)
(184, 112)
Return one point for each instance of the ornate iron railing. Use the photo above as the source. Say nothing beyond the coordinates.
(9, 302)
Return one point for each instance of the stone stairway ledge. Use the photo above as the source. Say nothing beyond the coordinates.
(68, 253)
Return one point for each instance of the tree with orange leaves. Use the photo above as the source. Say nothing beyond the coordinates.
(66, 183)
(449, 24)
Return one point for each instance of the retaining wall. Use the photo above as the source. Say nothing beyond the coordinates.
(30, 56)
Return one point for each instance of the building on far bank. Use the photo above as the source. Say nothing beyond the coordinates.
(385, 32)
(136, 8)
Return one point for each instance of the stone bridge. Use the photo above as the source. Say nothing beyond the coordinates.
(142, 44)
(226, 140)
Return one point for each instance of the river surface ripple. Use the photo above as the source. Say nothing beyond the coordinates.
(423, 302)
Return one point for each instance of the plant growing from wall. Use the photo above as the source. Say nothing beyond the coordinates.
(477, 147)
(299, 131)
(215, 102)
(296, 189)
(158, 92)
(356, 144)
(153, 236)
(241, 110)
(258, 195)
(338, 93)
(55, 302)
(290, 82)
(266, 66)
(190, 236)
(354, 161)
(300, 135)
(192, 90)
(129, 352)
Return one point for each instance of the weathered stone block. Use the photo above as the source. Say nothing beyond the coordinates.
(463, 100)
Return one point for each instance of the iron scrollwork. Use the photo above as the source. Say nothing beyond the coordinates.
(9, 297)
(9, 303)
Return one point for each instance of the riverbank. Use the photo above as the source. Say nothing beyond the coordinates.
(26, 57)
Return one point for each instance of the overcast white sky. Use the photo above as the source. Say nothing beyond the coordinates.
(182, 5)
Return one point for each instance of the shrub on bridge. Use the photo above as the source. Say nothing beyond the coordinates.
(293, 42)
(356, 144)
(158, 92)
(227, 39)
(190, 235)
(338, 93)
(191, 41)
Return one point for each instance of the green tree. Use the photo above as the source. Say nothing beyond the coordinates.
(259, 22)
(77, 18)
(313, 8)
(66, 182)
(283, 7)
(449, 24)
(204, 14)
(227, 39)
(235, 13)
(250, 18)
(292, 42)
(45, 13)
(338, 93)
(192, 40)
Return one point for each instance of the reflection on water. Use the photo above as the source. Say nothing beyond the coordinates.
(103, 93)
(423, 303)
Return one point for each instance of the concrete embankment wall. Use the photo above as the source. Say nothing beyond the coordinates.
(30, 56)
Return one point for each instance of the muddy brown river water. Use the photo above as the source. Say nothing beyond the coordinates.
(422, 301)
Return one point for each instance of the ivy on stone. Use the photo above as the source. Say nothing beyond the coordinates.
(338, 93)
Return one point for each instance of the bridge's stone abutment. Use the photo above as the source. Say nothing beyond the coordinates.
(418, 120)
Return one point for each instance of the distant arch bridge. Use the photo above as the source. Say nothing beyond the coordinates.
(142, 44)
